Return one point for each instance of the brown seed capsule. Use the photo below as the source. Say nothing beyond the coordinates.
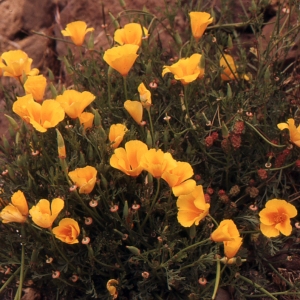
(55, 274)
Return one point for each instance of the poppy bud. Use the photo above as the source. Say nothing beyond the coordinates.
(134, 250)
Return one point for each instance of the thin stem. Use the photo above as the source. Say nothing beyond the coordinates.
(125, 87)
(186, 249)
(60, 252)
(256, 286)
(19, 291)
(215, 222)
(152, 204)
(151, 126)
(217, 281)
(9, 280)
(263, 137)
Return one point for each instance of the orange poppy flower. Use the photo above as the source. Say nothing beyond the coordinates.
(41, 213)
(116, 134)
(199, 23)
(145, 96)
(36, 86)
(17, 210)
(84, 178)
(178, 178)
(294, 131)
(156, 162)
(86, 119)
(74, 102)
(186, 70)
(16, 62)
(67, 231)
(128, 160)
(275, 218)
(135, 109)
(192, 207)
(121, 58)
(77, 31)
(132, 33)
(228, 233)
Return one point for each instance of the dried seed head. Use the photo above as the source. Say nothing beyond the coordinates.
(74, 278)
(135, 206)
(55, 274)
(202, 281)
(73, 188)
(93, 203)
(253, 207)
(86, 240)
(49, 260)
(88, 221)
(145, 274)
(114, 208)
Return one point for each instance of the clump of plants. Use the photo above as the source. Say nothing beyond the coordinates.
(155, 174)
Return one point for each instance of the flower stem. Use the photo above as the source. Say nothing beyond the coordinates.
(256, 286)
(152, 204)
(125, 87)
(151, 126)
(263, 137)
(185, 249)
(218, 273)
(19, 291)
(9, 280)
(60, 252)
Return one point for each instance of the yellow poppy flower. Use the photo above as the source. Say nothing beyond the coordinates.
(294, 131)
(128, 160)
(41, 213)
(228, 233)
(186, 69)
(84, 178)
(87, 119)
(76, 31)
(17, 210)
(145, 96)
(40, 116)
(74, 102)
(67, 231)
(229, 68)
(199, 23)
(192, 207)
(16, 62)
(121, 58)
(132, 33)
(275, 218)
(135, 109)
(36, 86)
(20, 107)
(116, 134)
(156, 162)
(178, 178)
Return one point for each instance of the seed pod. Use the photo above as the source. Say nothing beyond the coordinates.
(134, 250)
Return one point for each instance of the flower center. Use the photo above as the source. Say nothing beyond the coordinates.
(279, 218)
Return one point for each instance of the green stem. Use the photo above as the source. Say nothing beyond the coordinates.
(152, 204)
(217, 281)
(185, 249)
(151, 126)
(125, 87)
(19, 291)
(60, 252)
(256, 286)
(109, 88)
(9, 280)
(264, 138)
(215, 222)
